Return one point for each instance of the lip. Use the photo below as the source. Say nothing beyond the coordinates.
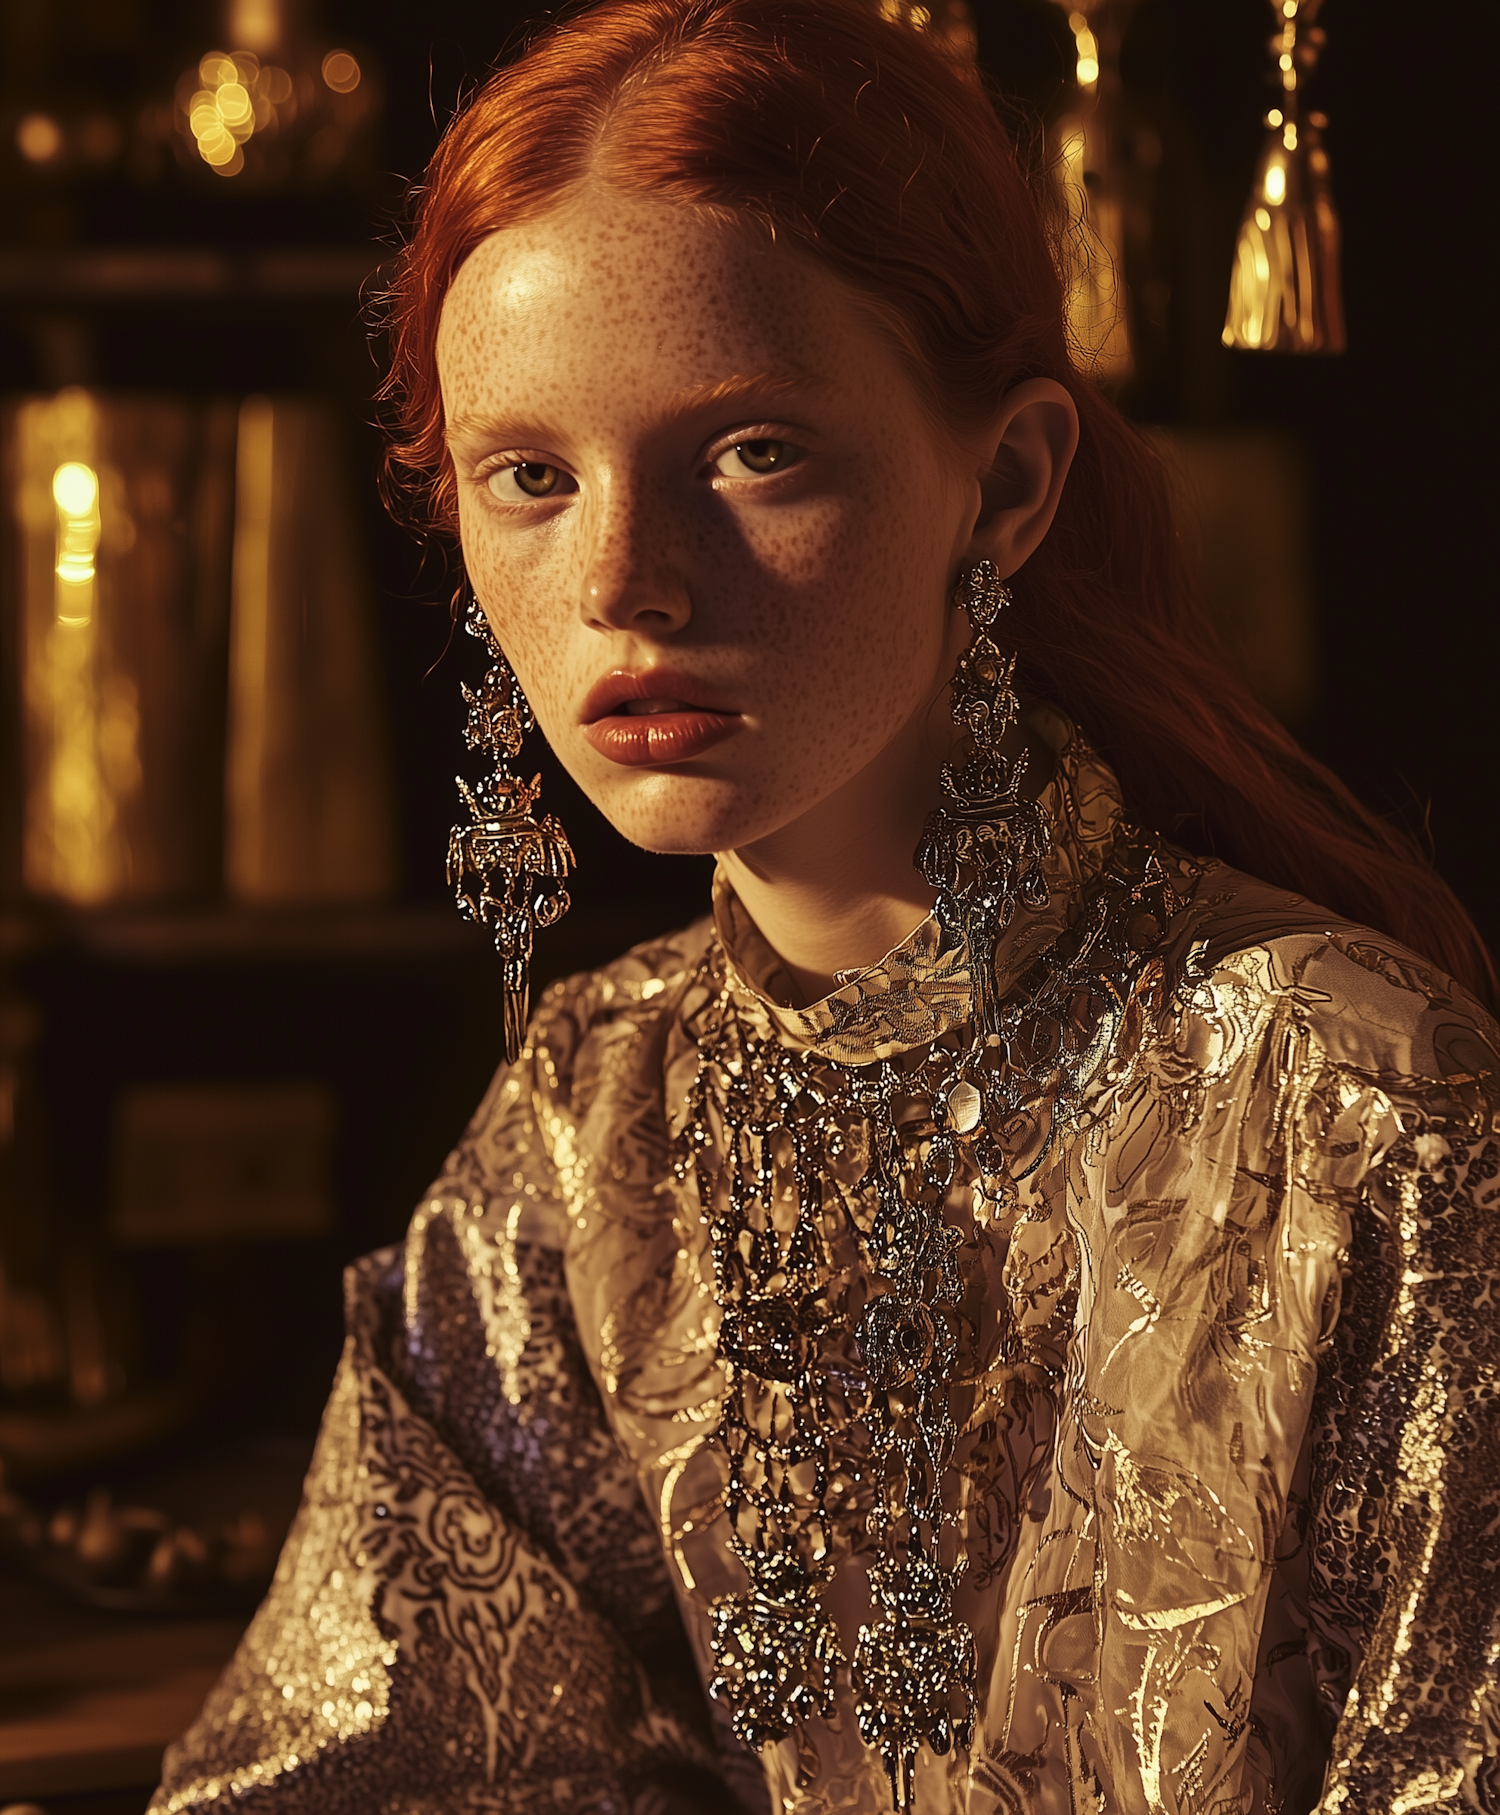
(655, 739)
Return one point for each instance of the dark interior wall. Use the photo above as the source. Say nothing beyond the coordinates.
(1396, 430)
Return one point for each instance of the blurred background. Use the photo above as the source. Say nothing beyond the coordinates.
(240, 1021)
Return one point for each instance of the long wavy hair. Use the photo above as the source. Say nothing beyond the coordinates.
(858, 140)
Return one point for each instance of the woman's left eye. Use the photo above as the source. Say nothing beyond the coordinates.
(760, 455)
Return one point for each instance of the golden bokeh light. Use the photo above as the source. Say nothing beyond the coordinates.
(308, 110)
(1285, 290)
(233, 105)
(75, 492)
(255, 24)
(341, 72)
(1086, 46)
(237, 96)
(216, 69)
(71, 844)
(75, 488)
(39, 138)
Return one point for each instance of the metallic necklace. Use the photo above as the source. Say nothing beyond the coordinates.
(817, 1153)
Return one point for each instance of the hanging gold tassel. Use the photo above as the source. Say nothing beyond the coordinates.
(1284, 290)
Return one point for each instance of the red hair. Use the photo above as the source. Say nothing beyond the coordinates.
(859, 141)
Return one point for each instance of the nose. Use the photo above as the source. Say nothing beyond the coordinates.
(634, 579)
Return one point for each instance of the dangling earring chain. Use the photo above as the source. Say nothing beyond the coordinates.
(984, 852)
(507, 867)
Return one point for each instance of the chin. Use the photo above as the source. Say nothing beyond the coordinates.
(679, 815)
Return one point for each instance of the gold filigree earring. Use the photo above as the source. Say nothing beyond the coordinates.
(507, 867)
(982, 851)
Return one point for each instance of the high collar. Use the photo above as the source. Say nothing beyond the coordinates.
(920, 990)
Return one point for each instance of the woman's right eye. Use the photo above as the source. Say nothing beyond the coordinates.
(529, 479)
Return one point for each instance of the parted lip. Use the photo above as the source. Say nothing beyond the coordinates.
(621, 685)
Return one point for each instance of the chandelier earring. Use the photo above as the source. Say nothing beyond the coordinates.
(507, 868)
(982, 850)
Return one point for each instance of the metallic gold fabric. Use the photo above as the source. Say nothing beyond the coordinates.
(1229, 1463)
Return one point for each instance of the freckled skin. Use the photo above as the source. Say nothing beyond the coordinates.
(813, 600)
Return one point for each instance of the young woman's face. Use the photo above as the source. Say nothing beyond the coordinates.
(704, 509)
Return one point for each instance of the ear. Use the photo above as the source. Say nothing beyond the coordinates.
(1030, 446)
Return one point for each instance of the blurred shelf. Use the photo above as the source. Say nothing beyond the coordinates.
(230, 934)
(36, 1444)
(88, 1697)
(89, 1701)
(111, 273)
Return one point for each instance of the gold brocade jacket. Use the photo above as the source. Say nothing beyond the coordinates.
(1229, 1471)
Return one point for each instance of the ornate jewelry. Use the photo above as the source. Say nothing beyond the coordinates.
(840, 1372)
(507, 867)
(984, 853)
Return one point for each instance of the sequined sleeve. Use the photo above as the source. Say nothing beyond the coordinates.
(472, 1607)
(1405, 1565)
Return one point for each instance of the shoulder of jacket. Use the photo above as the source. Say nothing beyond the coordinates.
(651, 975)
(1369, 1002)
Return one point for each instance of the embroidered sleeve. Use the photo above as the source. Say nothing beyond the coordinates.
(1406, 1475)
(472, 1608)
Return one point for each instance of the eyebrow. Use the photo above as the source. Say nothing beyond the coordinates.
(780, 383)
(786, 381)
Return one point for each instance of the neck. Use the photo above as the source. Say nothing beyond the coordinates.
(837, 888)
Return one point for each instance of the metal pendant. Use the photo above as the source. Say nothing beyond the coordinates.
(983, 851)
(507, 867)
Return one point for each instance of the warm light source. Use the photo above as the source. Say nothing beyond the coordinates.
(75, 491)
(255, 24)
(82, 744)
(946, 22)
(38, 138)
(1284, 289)
(1086, 168)
(1086, 46)
(240, 112)
(235, 96)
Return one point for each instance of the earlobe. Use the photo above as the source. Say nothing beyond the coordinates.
(1033, 439)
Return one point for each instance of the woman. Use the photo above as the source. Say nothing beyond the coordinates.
(1013, 1328)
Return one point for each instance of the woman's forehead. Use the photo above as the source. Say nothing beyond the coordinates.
(614, 282)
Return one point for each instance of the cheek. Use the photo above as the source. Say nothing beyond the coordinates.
(527, 605)
(853, 617)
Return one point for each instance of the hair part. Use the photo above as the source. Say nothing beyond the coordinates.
(857, 140)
